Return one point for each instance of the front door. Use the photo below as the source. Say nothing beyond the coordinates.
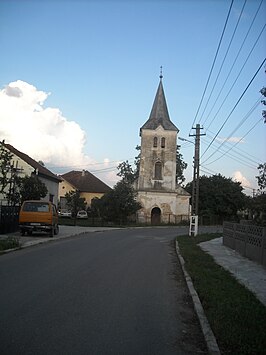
(156, 216)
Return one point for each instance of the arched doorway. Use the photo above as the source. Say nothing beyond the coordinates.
(156, 215)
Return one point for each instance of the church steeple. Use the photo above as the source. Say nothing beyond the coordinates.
(159, 113)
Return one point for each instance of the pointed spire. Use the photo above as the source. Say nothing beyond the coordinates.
(159, 113)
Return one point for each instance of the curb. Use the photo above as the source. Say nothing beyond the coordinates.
(210, 339)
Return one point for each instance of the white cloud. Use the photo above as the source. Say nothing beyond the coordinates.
(42, 133)
(237, 176)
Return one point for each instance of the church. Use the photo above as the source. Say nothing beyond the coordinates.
(162, 199)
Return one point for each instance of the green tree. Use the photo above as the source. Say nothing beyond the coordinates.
(262, 176)
(31, 188)
(5, 167)
(74, 202)
(118, 204)
(180, 166)
(219, 196)
(263, 92)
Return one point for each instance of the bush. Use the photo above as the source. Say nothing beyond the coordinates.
(9, 243)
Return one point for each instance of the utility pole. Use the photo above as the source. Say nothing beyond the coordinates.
(195, 186)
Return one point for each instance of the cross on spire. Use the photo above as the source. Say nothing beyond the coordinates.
(161, 72)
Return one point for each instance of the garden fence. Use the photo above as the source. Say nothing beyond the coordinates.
(247, 240)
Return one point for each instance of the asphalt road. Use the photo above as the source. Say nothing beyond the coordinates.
(114, 292)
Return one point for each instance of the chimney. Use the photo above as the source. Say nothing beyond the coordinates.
(83, 173)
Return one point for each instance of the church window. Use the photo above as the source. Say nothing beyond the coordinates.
(163, 142)
(155, 142)
(158, 171)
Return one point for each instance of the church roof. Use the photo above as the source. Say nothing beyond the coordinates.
(159, 113)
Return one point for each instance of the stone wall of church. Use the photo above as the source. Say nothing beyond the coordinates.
(151, 154)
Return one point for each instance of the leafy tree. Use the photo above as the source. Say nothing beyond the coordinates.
(263, 92)
(75, 202)
(126, 172)
(31, 188)
(5, 167)
(180, 166)
(262, 176)
(118, 204)
(219, 196)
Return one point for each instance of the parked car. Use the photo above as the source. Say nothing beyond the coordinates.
(82, 214)
(36, 216)
(65, 213)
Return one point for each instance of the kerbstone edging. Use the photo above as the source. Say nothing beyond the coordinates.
(210, 339)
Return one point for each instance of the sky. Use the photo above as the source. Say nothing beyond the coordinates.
(78, 80)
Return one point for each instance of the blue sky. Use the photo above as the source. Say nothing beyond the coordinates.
(93, 67)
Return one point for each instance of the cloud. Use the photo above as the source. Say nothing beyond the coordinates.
(237, 176)
(230, 140)
(45, 134)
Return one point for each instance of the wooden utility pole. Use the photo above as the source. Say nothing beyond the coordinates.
(195, 185)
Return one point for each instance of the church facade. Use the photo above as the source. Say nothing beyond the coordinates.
(162, 200)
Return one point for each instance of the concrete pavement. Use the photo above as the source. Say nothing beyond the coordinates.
(247, 272)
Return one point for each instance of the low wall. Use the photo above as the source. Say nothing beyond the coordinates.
(247, 240)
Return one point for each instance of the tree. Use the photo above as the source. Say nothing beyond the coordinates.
(32, 188)
(180, 166)
(118, 204)
(5, 167)
(219, 196)
(75, 202)
(263, 92)
(262, 176)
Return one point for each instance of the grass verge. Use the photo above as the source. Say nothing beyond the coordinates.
(9, 243)
(236, 316)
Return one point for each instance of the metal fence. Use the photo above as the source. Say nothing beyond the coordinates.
(247, 240)
(8, 219)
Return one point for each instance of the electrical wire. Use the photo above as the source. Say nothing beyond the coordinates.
(240, 98)
(238, 126)
(214, 61)
(241, 139)
(225, 56)
(239, 51)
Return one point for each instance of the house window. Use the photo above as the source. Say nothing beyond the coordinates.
(158, 171)
(51, 198)
(155, 142)
(163, 142)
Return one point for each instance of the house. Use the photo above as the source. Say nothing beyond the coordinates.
(83, 181)
(162, 200)
(26, 166)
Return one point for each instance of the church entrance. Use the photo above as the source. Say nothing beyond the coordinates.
(156, 215)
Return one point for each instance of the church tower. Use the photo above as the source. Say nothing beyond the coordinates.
(163, 201)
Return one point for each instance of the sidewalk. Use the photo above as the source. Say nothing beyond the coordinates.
(64, 232)
(247, 272)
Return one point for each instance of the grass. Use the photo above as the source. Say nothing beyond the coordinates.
(9, 243)
(236, 316)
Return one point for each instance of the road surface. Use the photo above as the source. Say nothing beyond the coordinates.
(114, 292)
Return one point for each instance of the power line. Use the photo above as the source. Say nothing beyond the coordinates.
(232, 86)
(237, 127)
(225, 56)
(238, 53)
(240, 98)
(236, 142)
(214, 61)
